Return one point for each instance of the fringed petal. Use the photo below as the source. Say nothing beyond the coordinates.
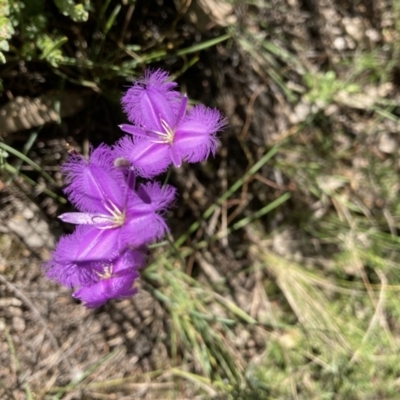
(151, 99)
(143, 229)
(67, 267)
(160, 197)
(116, 282)
(195, 137)
(93, 184)
(148, 159)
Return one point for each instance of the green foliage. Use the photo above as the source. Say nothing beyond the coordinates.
(39, 42)
(324, 87)
(91, 60)
(6, 29)
(77, 12)
(51, 48)
(32, 23)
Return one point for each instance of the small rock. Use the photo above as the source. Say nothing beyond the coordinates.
(10, 301)
(301, 112)
(373, 35)
(18, 324)
(331, 109)
(27, 213)
(355, 28)
(35, 232)
(76, 374)
(340, 43)
(385, 89)
(387, 144)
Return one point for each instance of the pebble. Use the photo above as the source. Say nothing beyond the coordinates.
(301, 112)
(18, 324)
(354, 27)
(387, 144)
(340, 43)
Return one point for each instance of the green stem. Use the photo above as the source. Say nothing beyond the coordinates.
(28, 161)
(51, 194)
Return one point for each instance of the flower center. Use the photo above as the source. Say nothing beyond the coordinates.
(170, 133)
(107, 273)
(166, 137)
(116, 218)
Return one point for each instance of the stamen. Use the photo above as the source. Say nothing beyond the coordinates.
(107, 273)
(170, 132)
(166, 137)
(165, 126)
(116, 209)
(159, 133)
(104, 228)
(117, 217)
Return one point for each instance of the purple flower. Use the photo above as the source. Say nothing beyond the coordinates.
(151, 97)
(102, 257)
(75, 261)
(116, 218)
(115, 281)
(164, 131)
(89, 182)
(79, 258)
(116, 213)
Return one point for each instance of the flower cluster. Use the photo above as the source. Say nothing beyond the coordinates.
(118, 218)
(163, 130)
